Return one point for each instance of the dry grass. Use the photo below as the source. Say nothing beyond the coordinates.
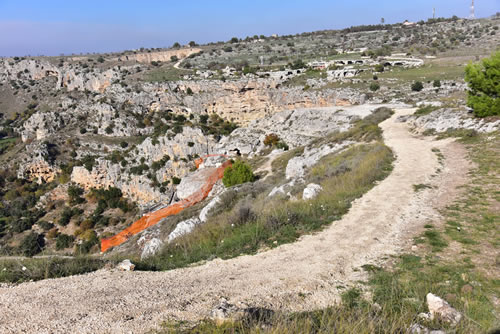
(465, 274)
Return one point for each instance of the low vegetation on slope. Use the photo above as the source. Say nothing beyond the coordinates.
(17, 271)
(459, 261)
(248, 219)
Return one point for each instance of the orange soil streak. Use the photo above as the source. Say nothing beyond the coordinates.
(153, 218)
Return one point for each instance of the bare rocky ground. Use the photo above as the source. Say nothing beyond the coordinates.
(299, 276)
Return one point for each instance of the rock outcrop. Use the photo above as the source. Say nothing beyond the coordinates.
(311, 191)
(126, 265)
(182, 147)
(446, 119)
(163, 56)
(184, 227)
(441, 309)
(295, 127)
(39, 165)
(68, 76)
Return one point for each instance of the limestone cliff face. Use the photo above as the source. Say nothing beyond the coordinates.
(241, 101)
(181, 149)
(163, 56)
(37, 164)
(295, 127)
(68, 76)
(94, 81)
(40, 125)
(27, 69)
(107, 174)
(38, 170)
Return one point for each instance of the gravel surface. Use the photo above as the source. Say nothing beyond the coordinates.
(298, 276)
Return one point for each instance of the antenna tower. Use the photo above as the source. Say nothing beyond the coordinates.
(472, 11)
(434, 12)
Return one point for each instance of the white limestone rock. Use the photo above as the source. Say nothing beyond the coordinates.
(126, 265)
(206, 210)
(184, 227)
(440, 308)
(151, 247)
(311, 191)
(444, 119)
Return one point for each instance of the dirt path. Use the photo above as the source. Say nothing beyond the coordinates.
(267, 167)
(297, 276)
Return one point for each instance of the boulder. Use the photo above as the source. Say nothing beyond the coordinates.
(228, 312)
(183, 228)
(206, 210)
(126, 265)
(223, 312)
(151, 247)
(311, 191)
(440, 308)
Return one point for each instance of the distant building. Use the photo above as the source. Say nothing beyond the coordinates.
(407, 23)
(274, 35)
(319, 65)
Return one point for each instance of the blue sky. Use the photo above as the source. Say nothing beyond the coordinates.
(52, 27)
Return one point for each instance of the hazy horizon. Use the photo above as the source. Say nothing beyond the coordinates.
(37, 28)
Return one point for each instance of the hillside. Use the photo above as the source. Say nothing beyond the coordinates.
(350, 150)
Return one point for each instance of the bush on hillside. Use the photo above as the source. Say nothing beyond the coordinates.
(75, 193)
(374, 87)
(271, 139)
(64, 241)
(417, 86)
(32, 244)
(238, 173)
(379, 68)
(484, 86)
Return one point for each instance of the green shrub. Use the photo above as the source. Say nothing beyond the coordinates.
(176, 180)
(64, 241)
(156, 165)
(379, 68)
(417, 86)
(75, 193)
(374, 86)
(203, 119)
(32, 244)
(45, 225)
(484, 88)
(282, 145)
(65, 216)
(298, 64)
(425, 110)
(21, 224)
(436, 84)
(88, 162)
(238, 173)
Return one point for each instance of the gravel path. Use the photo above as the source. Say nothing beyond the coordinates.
(297, 276)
